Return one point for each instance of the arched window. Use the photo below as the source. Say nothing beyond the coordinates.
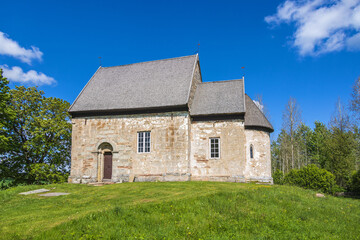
(251, 151)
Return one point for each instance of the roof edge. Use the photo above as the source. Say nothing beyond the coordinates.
(217, 114)
(251, 125)
(166, 59)
(83, 89)
(192, 76)
(133, 110)
(222, 81)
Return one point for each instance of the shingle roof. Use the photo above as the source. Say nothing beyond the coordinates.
(166, 83)
(158, 83)
(220, 97)
(254, 117)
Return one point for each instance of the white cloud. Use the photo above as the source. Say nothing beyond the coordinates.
(16, 74)
(322, 26)
(353, 43)
(12, 48)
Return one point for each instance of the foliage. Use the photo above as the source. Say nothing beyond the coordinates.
(341, 155)
(317, 146)
(178, 210)
(355, 182)
(278, 177)
(40, 133)
(44, 173)
(335, 148)
(6, 114)
(7, 183)
(312, 177)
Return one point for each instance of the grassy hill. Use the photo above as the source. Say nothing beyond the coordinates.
(181, 210)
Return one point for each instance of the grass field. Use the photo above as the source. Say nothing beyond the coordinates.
(182, 210)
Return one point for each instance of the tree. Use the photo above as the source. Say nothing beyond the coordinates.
(341, 146)
(40, 133)
(355, 101)
(303, 136)
(317, 145)
(6, 114)
(291, 121)
(340, 119)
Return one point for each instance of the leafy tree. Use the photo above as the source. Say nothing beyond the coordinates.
(317, 145)
(6, 113)
(40, 133)
(341, 147)
(340, 155)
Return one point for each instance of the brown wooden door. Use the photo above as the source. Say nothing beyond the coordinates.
(107, 165)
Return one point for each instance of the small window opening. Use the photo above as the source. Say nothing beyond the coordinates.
(251, 151)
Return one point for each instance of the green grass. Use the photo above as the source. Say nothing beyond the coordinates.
(182, 210)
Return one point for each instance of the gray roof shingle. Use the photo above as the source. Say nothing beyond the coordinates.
(254, 117)
(152, 84)
(220, 97)
(166, 83)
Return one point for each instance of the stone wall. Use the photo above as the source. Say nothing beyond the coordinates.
(231, 164)
(180, 149)
(167, 160)
(258, 168)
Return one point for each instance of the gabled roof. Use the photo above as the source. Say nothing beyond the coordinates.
(254, 117)
(220, 97)
(165, 84)
(161, 83)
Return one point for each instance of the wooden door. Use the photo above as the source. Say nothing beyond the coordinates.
(107, 165)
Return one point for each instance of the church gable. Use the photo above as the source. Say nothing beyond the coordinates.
(154, 84)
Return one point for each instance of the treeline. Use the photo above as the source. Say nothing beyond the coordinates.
(334, 146)
(35, 136)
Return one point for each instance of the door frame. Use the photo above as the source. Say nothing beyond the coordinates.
(103, 172)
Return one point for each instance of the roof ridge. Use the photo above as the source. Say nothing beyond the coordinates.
(221, 81)
(166, 59)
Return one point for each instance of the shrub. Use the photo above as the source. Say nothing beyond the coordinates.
(278, 177)
(7, 183)
(355, 182)
(44, 173)
(312, 177)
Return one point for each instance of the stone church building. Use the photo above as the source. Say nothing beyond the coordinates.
(158, 121)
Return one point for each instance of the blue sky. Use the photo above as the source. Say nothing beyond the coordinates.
(305, 49)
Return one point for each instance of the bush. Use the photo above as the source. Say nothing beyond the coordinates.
(7, 183)
(312, 177)
(43, 173)
(355, 182)
(278, 177)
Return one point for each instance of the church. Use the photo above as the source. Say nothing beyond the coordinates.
(158, 121)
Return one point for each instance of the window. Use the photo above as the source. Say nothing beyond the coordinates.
(251, 151)
(143, 142)
(214, 147)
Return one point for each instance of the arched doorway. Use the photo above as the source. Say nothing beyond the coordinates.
(105, 163)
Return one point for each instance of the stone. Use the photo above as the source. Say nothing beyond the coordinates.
(35, 191)
(340, 194)
(179, 149)
(320, 195)
(53, 194)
